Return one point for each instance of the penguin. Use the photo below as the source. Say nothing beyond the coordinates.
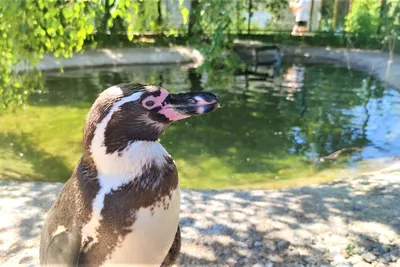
(121, 204)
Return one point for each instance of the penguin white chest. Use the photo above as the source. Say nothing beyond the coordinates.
(152, 235)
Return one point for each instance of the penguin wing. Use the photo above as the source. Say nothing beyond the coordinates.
(174, 251)
(64, 248)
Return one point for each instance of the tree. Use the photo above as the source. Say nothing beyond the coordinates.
(31, 28)
(363, 19)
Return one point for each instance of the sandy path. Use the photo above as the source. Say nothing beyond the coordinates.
(304, 226)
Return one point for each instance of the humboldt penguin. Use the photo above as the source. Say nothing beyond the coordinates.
(121, 204)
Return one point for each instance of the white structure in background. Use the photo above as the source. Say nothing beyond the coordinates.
(265, 20)
(262, 19)
(172, 12)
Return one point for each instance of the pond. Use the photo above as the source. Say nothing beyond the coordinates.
(269, 133)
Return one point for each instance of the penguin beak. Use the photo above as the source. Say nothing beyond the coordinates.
(183, 105)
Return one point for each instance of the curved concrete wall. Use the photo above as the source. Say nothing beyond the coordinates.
(377, 63)
(122, 56)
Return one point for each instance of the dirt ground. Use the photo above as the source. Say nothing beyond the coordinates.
(353, 221)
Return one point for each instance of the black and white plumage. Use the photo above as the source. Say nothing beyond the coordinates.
(121, 204)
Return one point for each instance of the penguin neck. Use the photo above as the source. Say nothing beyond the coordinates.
(129, 164)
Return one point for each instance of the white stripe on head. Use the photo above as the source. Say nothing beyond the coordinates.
(133, 158)
(118, 168)
(97, 148)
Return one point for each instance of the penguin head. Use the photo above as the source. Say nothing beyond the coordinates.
(126, 113)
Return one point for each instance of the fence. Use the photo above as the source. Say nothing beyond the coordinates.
(325, 15)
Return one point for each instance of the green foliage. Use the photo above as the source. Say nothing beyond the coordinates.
(391, 23)
(29, 29)
(213, 30)
(215, 24)
(369, 18)
(364, 17)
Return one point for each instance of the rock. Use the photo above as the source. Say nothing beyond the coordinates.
(384, 240)
(380, 250)
(355, 259)
(359, 250)
(362, 264)
(269, 244)
(276, 258)
(369, 257)
(345, 254)
(335, 250)
(356, 208)
(386, 257)
(282, 244)
(269, 264)
(242, 260)
(258, 238)
(343, 265)
(342, 231)
(257, 244)
(395, 253)
(311, 260)
(231, 262)
(226, 251)
(393, 256)
(338, 258)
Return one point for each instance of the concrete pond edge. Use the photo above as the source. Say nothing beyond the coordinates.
(103, 57)
(382, 65)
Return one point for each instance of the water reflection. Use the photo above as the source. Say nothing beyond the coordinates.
(269, 127)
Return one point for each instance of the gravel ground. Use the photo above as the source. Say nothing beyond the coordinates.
(349, 222)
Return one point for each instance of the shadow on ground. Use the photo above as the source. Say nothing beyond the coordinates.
(326, 224)
(322, 224)
(23, 207)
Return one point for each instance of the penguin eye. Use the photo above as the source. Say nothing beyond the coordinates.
(149, 103)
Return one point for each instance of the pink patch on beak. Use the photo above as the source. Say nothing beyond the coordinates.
(168, 111)
(171, 114)
(157, 100)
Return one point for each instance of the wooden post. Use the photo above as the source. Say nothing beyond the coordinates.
(250, 7)
(382, 15)
(311, 16)
(193, 19)
(159, 17)
(321, 9)
(335, 14)
(237, 17)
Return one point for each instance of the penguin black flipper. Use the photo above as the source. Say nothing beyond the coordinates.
(60, 244)
(61, 239)
(64, 249)
(174, 251)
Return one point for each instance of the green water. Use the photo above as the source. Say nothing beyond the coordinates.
(269, 133)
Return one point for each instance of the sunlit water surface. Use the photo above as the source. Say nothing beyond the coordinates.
(269, 133)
